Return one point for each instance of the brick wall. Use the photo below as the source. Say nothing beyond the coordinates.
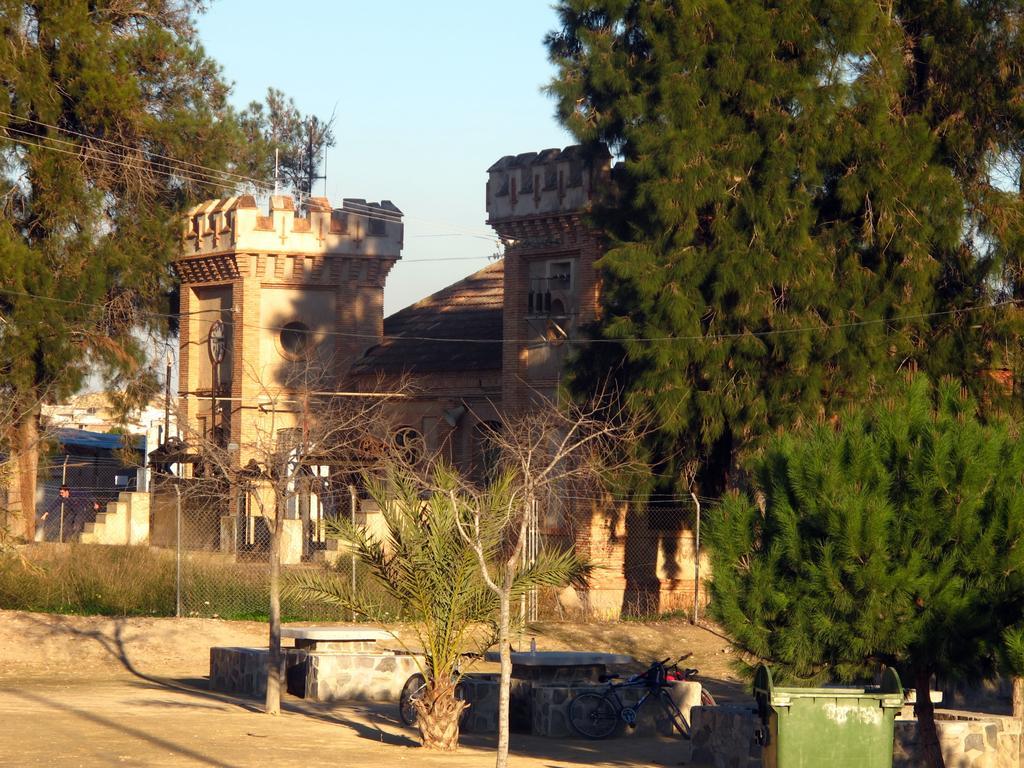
(645, 561)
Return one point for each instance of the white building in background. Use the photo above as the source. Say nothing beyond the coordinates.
(93, 412)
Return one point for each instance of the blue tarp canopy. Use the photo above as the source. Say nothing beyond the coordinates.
(98, 440)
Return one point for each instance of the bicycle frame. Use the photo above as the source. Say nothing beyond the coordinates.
(612, 693)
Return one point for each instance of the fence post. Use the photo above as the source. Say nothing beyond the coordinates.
(353, 500)
(63, 485)
(534, 543)
(696, 558)
(177, 550)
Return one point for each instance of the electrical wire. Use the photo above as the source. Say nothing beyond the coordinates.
(369, 211)
(579, 342)
(114, 158)
(120, 145)
(207, 175)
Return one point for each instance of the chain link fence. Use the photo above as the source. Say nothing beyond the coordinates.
(213, 544)
(646, 558)
(76, 484)
(221, 545)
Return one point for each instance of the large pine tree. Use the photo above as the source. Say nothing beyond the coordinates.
(95, 98)
(791, 225)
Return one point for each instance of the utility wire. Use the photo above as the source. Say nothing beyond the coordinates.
(578, 342)
(384, 215)
(121, 145)
(206, 174)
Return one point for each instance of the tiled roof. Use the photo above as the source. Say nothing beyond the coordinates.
(468, 309)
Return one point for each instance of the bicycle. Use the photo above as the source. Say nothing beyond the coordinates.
(416, 686)
(596, 715)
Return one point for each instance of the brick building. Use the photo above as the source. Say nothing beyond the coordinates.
(262, 295)
(497, 340)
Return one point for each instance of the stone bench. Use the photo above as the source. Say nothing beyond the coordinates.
(375, 676)
(239, 670)
(725, 736)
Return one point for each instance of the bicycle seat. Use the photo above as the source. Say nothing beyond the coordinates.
(690, 672)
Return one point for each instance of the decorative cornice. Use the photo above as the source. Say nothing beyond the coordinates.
(207, 269)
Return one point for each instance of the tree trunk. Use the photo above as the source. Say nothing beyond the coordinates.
(21, 498)
(927, 735)
(275, 661)
(505, 679)
(437, 716)
(1018, 698)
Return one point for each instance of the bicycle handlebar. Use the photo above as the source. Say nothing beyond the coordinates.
(665, 662)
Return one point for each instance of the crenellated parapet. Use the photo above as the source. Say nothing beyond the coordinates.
(551, 182)
(237, 225)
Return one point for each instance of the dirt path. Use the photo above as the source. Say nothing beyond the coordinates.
(89, 691)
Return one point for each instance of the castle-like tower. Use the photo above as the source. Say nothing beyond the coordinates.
(537, 202)
(273, 302)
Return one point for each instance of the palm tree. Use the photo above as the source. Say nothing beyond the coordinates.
(426, 567)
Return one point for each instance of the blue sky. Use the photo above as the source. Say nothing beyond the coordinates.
(426, 97)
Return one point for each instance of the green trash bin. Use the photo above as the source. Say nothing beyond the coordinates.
(833, 727)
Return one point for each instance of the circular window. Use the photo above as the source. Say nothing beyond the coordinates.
(410, 445)
(296, 339)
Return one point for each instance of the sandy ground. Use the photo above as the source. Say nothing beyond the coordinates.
(89, 691)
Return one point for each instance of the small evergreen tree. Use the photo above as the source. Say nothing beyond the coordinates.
(891, 538)
(295, 142)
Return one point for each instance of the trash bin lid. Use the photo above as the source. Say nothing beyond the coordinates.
(889, 693)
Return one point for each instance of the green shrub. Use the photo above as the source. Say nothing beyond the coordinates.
(140, 581)
(111, 581)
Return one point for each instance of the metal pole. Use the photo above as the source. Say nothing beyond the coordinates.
(534, 541)
(63, 484)
(167, 399)
(213, 404)
(696, 557)
(353, 500)
(177, 574)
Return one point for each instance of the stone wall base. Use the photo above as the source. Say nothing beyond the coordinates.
(481, 693)
(314, 675)
(550, 709)
(967, 739)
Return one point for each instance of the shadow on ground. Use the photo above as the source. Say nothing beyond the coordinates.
(373, 722)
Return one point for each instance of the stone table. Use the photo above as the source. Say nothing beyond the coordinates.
(328, 663)
(336, 638)
(561, 666)
(537, 668)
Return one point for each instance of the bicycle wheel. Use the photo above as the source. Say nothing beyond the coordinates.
(411, 691)
(706, 699)
(593, 715)
(673, 713)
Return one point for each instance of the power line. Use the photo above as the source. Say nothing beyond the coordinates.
(121, 145)
(207, 174)
(577, 342)
(382, 214)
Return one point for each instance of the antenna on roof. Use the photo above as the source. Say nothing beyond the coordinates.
(276, 150)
